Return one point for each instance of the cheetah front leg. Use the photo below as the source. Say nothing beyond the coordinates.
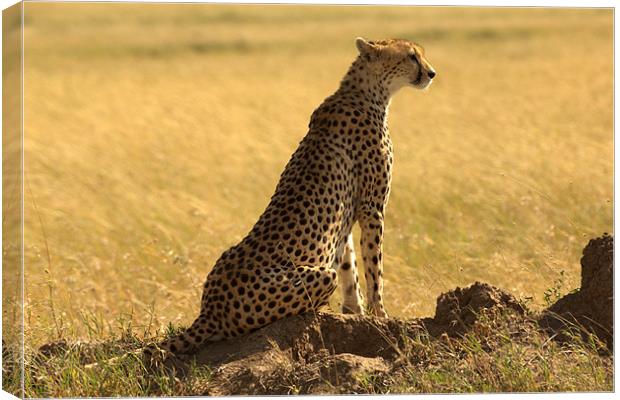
(371, 223)
(351, 296)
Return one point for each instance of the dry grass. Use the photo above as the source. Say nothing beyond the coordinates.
(155, 134)
(501, 354)
(62, 373)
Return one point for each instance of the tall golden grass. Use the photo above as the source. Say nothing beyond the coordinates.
(155, 135)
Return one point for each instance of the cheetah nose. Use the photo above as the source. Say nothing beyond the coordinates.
(431, 74)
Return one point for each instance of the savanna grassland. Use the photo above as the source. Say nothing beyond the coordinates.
(155, 135)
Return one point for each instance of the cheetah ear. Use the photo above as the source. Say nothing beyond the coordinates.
(365, 47)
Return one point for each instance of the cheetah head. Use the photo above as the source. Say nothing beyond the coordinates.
(398, 62)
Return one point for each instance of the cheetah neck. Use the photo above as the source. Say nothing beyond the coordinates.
(361, 78)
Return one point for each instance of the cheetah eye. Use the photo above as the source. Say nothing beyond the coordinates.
(414, 58)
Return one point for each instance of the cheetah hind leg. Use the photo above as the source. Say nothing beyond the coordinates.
(285, 293)
(310, 288)
(349, 280)
(318, 284)
(302, 289)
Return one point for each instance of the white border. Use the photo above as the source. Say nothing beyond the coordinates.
(462, 3)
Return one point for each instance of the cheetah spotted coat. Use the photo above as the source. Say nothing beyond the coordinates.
(339, 175)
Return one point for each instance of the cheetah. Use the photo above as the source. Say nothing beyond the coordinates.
(301, 248)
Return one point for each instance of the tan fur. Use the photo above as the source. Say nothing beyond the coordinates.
(339, 175)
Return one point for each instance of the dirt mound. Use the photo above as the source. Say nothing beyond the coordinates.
(458, 309)
(330, 353)
(590, 307)
(309, 353)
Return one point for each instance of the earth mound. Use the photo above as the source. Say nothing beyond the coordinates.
(327, 353)
(458, 310)
(590, 307)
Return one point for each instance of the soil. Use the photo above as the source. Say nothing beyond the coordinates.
(334, 353)
(590, 307)
(337, 353)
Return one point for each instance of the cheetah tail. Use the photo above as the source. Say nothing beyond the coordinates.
(185, 342)
(188, 340)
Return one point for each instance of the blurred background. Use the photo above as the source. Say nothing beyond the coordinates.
(155, 136)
